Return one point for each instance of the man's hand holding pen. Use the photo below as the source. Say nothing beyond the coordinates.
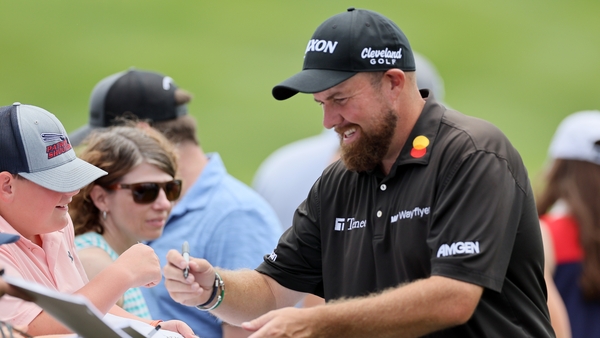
(194, 289)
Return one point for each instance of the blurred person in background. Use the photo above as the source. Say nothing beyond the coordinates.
(39, 175)
(129, 205)
(569, 209)
(223, 219)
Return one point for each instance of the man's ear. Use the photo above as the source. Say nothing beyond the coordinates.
(99, 197)
(6, 186)
(395, 80)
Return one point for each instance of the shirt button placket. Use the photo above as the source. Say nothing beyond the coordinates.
(379, 222)
(382, 187)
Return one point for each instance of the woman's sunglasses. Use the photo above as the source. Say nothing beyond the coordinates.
(147, 192)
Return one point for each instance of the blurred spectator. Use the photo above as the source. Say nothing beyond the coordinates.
(129, 205)
(285, 177)
(569, 206)
(223, 220)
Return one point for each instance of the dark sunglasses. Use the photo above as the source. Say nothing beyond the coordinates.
(147, 192)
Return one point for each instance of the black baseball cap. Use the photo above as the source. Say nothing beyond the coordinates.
(355, 41)
(145, 94)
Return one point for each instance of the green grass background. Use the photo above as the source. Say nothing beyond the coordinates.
(521, 64)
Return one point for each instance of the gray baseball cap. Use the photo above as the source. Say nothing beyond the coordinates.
(34, 144)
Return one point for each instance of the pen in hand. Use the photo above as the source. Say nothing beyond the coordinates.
(185, 251)
(154, 330)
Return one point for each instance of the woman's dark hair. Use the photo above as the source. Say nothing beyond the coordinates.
(577, 183)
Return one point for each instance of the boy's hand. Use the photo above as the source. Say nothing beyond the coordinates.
(142, 265)
(178, 326)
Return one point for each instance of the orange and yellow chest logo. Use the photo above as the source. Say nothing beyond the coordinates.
(420, 144)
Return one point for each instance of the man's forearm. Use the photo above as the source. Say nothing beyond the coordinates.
(411, 310)
(249, 294)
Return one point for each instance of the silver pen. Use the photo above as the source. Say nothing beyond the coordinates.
(185, 251)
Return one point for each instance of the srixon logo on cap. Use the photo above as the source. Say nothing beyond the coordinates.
(60, 146)
(325, 46)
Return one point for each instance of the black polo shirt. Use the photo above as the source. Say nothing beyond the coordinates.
(457, 203)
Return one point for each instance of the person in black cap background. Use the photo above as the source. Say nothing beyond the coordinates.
(427, 226)
(146, 95)
(223, 219)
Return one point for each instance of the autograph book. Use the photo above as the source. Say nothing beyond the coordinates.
(78, 314)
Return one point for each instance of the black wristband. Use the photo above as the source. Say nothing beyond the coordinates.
(212, 295)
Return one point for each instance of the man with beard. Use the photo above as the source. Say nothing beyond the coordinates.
(426, 226)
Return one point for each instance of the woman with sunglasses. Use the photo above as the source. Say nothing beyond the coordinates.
(129, 205)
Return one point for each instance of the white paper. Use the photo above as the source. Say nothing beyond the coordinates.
(143, 328)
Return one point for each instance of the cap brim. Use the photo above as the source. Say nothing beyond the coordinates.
(77, 136)
(8, 238)
(68, 177)
(310, 81)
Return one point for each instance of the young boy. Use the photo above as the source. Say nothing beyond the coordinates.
(39, 174)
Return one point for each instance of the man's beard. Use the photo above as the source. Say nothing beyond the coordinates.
(368, 151)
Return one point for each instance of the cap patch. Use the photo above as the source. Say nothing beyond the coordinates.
(53, 137)
(58, 148)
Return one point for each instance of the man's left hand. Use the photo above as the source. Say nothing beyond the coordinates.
(286, 322)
